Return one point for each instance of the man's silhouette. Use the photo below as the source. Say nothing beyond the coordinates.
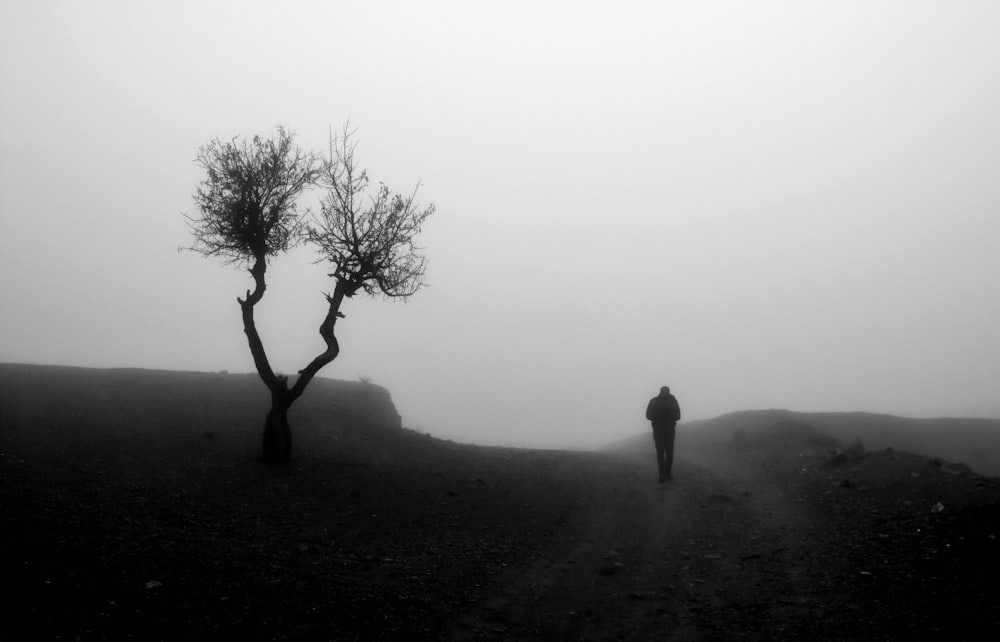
(664, 411)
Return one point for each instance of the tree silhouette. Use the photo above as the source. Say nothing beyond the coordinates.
(248, 206)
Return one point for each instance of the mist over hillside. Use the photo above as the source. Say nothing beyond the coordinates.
(38, 401)
(973, 442)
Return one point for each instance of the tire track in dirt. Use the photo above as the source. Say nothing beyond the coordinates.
(721, 552)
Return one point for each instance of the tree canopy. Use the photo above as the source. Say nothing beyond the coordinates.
(369, 238)
(248, 200)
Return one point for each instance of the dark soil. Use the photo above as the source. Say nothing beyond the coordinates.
(144, 515)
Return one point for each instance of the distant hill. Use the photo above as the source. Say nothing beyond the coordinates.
(42, 404)
(974, 442)
(52, 404)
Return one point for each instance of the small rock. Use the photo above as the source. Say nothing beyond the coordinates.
(837, 457)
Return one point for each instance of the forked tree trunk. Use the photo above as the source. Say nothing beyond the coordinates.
(277, 448)
(277, 443)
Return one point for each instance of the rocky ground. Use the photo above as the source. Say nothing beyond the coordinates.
(382, 533)
(922, 536)
(782, 540)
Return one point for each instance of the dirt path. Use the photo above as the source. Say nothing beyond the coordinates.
(721, 552)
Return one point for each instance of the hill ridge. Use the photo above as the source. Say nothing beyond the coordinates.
(974, 442)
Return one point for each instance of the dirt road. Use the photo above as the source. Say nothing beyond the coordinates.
(721, 552)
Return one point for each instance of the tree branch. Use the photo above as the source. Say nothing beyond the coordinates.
(250, 327)
(332, 345)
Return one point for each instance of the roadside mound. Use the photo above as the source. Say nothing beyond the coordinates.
(974, 442)
(920, 534)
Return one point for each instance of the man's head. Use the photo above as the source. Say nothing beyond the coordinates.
(664, 390)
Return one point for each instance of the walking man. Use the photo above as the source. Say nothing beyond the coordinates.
(664, 412)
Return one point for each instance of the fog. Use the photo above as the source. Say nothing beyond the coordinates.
(762, 205)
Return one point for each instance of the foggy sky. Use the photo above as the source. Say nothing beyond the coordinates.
(760, 204)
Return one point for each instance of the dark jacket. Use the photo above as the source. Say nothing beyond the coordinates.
(663, 410)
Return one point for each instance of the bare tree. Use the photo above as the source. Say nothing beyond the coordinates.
(249, 215)
(369, 238)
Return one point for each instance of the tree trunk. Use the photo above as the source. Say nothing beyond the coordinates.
(277, 446)
(277, 435)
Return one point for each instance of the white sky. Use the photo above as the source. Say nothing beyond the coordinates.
(761, 204)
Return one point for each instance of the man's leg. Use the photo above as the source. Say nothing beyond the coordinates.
(668, 451)
(660, 452)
